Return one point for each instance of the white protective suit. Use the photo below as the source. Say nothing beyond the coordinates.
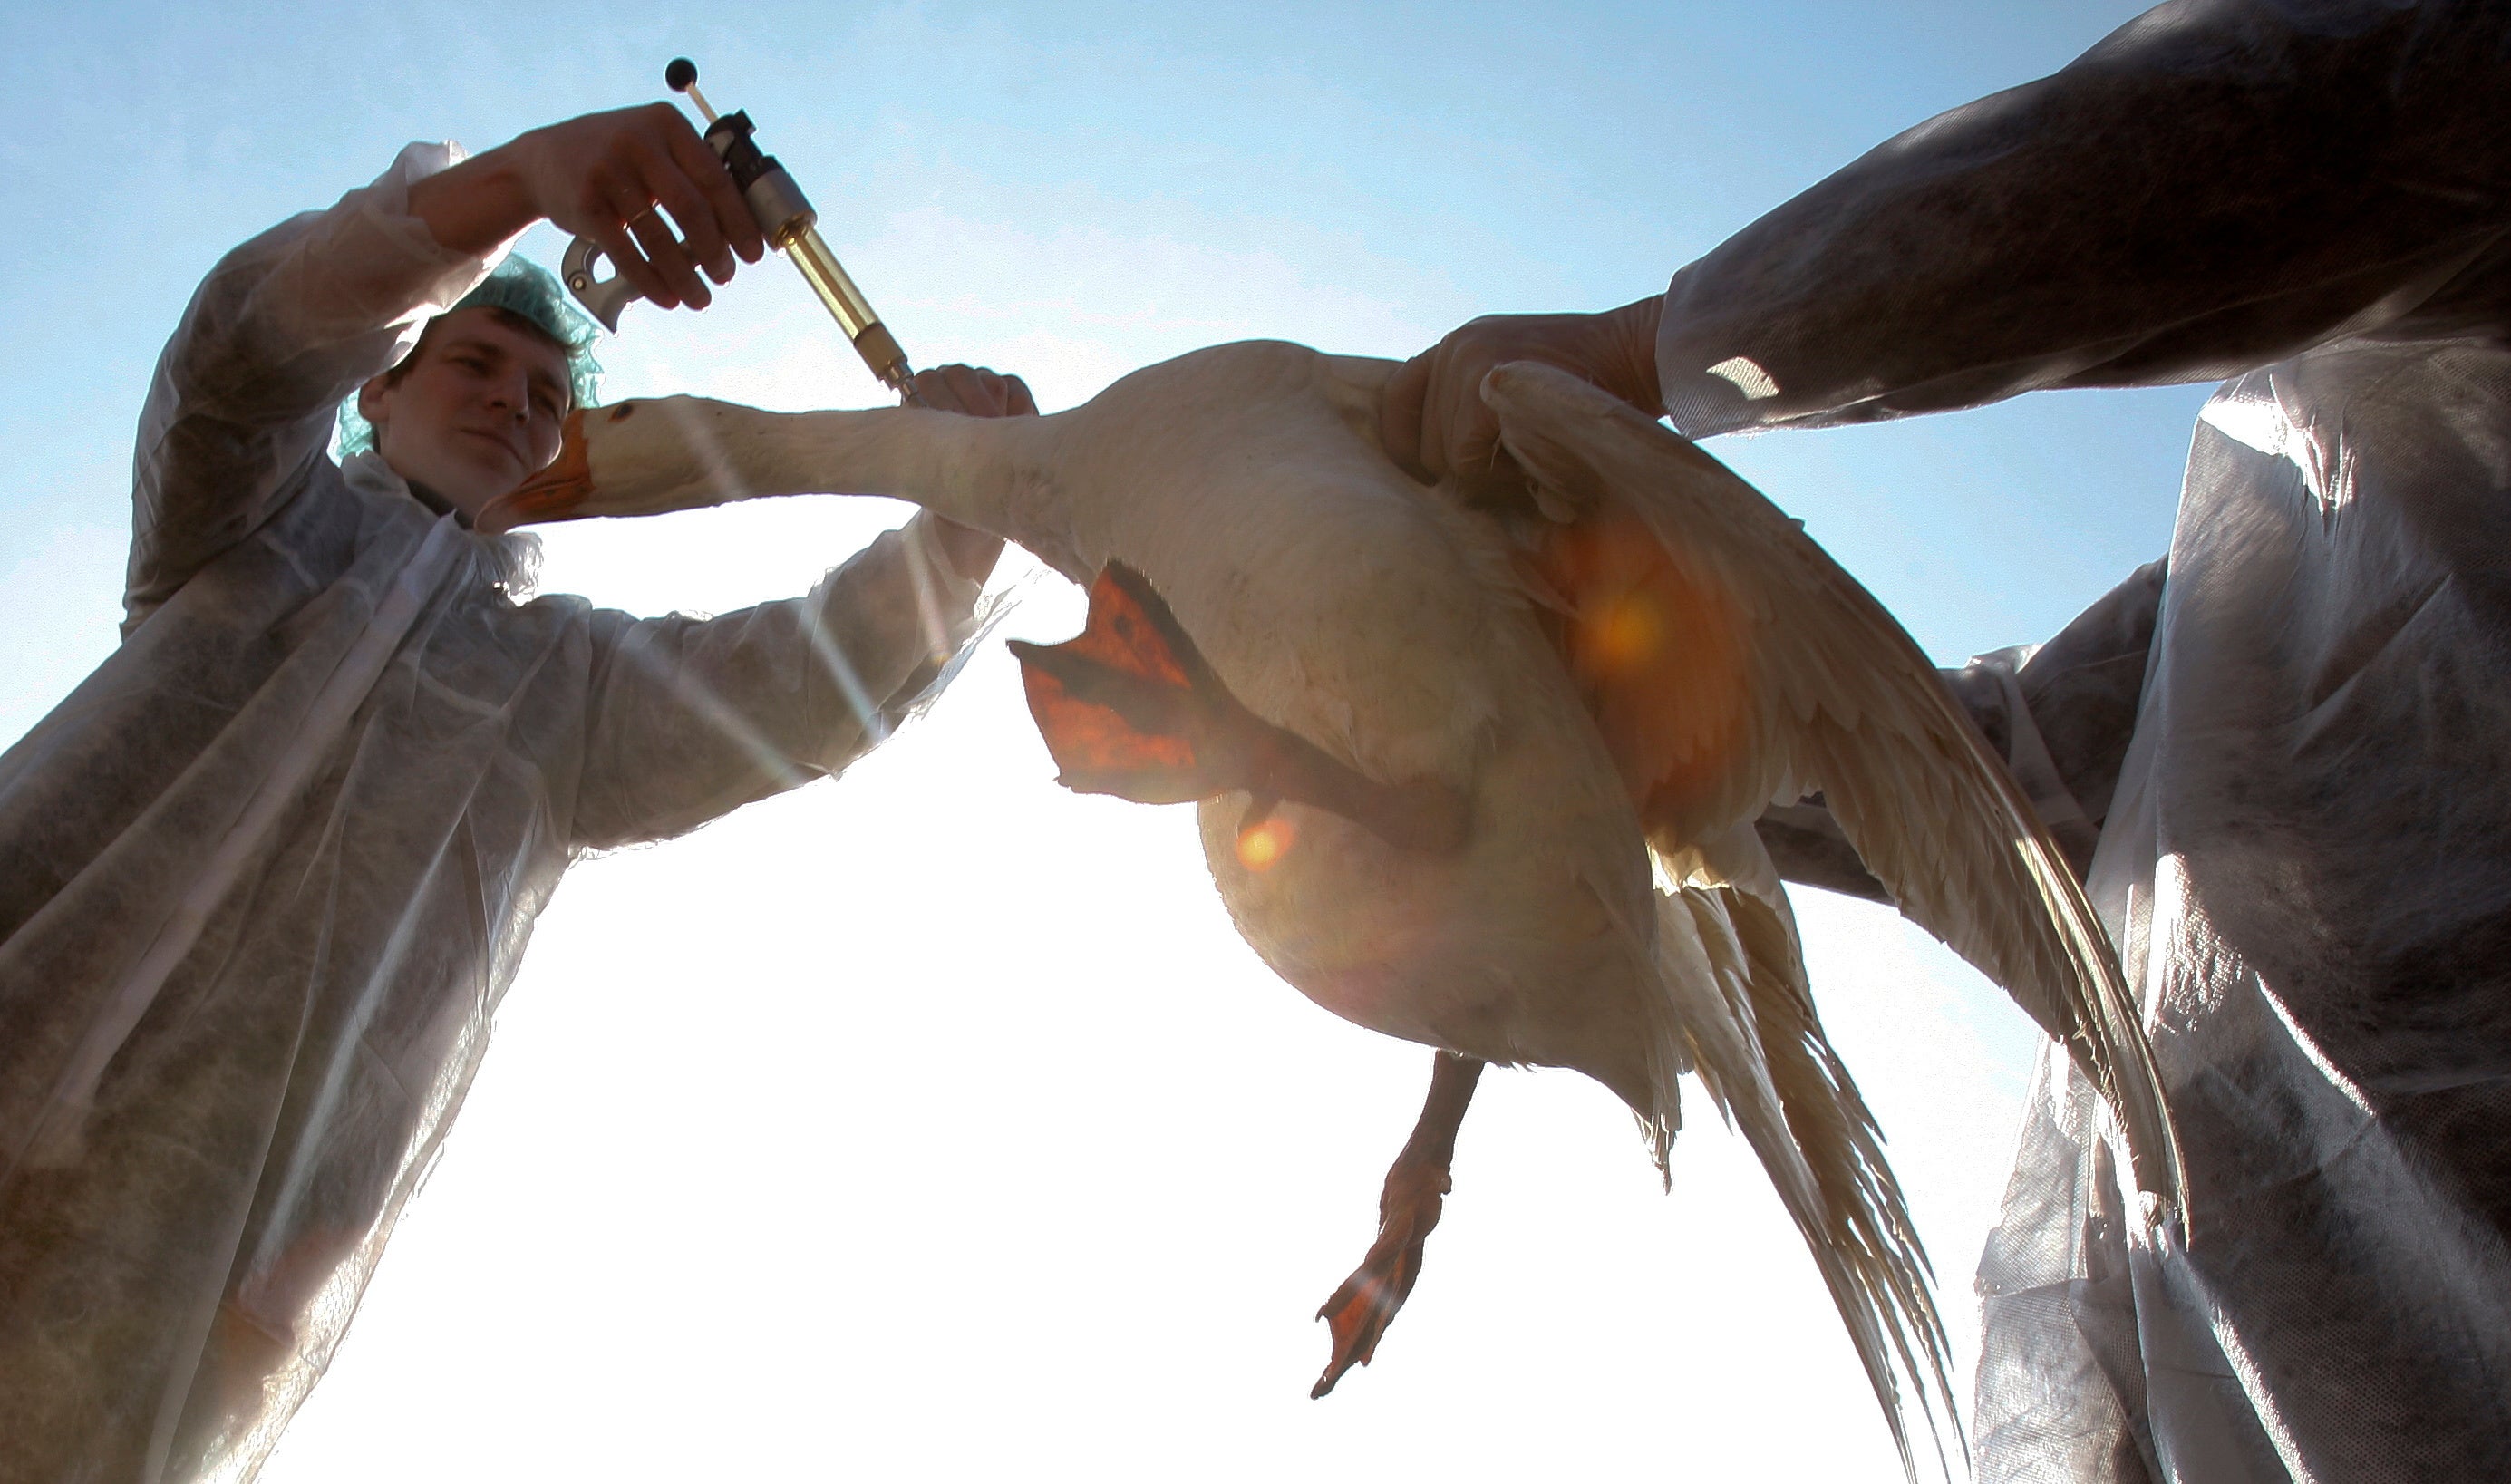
(270, 868)
(2306, 858)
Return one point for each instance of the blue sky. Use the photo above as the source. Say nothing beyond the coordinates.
(826, 1104)
(1399, 168)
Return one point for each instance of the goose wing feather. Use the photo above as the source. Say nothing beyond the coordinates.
(1780, 676)
(1761, 1054)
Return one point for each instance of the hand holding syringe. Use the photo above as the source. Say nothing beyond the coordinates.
(791, 225)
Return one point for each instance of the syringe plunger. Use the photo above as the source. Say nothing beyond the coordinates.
(681, 76)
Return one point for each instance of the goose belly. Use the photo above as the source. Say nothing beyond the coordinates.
(1336, 598)
(1533, 943)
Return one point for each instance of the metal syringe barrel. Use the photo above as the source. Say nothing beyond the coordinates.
(786, 217)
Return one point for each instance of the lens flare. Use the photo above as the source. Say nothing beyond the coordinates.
(1261, 846)
(1660, 648)
(1626, 635)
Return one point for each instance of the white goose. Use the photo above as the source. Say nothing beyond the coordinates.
(1484, 780)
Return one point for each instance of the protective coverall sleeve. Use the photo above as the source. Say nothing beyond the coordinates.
(688, 719)
(244, 398)
(2218, 184)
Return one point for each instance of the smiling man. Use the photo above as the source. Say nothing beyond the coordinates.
(479, 403)
(271, 867)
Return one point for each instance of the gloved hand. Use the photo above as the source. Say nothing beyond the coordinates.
(977, 393)
(1431, 417)
(609, 177)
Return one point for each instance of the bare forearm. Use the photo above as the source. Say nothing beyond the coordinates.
(971, 552)
(476, 205)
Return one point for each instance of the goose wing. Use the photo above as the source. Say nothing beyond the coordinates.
(1730, 662)
(1760, 1053)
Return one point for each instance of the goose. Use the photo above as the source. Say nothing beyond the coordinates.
(1485, 778)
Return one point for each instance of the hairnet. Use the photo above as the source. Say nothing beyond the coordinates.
(522, 287)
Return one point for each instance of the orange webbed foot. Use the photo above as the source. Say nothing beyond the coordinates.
(1367, 1302)
(1130, 708)
(1407, 1211)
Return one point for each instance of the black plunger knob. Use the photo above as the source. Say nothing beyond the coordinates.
(681, 75)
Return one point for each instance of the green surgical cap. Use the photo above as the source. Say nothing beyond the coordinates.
(525, 288)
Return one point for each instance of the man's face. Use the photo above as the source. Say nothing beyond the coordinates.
(477, 410)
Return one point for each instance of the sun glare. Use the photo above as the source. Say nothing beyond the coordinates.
(1261, 846)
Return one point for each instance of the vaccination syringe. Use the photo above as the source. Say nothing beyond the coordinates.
(786, 218)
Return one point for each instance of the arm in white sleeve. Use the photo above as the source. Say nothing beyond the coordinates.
(688, 719)
(2217, 185)
(283, 328)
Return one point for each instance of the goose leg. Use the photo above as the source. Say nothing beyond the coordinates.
(1131, 708)
(1407, 1210)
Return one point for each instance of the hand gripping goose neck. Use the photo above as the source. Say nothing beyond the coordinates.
(785, 218)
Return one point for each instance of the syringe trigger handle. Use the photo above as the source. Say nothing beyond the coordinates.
(603, 297)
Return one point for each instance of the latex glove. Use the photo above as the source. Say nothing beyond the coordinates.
(1432, 418)
(976, 392)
